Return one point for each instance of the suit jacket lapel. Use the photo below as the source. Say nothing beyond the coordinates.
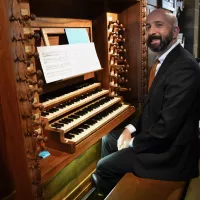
(167, 63)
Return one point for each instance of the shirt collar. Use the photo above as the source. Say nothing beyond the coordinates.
(162, 58)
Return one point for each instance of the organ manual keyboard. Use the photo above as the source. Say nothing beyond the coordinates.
(70, 118)
(81, 116)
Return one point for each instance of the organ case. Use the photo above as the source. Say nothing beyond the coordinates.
(100, 100)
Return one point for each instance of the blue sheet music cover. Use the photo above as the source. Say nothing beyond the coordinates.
(77, 35)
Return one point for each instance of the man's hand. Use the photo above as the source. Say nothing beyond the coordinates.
(124, 139)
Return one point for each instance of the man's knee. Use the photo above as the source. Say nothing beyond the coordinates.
(98, 168)
(106, 139)
(99, 164)
(109, 143)
(111, 137)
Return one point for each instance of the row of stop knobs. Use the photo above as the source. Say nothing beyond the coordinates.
(117, 57)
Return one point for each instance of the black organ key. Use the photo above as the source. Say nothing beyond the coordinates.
(73, 116)
(98, 117)
(80, 129)
(69, 136)
(57, 125)
(74, 131)
(65, 121)
(72, 101)
(92, 121)
(86, 125)
(65, 91)
(44, 113)
(61, 105)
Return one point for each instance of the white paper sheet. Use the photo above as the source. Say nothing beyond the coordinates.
(65, 61)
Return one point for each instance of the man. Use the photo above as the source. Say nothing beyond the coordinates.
(165, 141)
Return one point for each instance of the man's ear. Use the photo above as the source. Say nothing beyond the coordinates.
(176, 30)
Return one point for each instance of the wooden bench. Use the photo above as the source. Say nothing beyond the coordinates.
(131, 187)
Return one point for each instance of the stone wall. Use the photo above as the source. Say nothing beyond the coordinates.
(189, 24)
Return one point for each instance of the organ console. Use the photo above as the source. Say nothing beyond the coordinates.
(69, 117)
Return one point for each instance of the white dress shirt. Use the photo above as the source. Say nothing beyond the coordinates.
(161, 59)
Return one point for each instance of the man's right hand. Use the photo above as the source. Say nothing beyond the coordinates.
(124, 139)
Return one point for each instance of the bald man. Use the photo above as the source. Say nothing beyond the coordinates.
(163, 144)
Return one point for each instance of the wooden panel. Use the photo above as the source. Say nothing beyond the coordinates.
(53, 40)
(101, 45)
(131, 20)
(60, 22)
(13, 137)
(52, 162)
(79, 186)
(46, 39)
(73, 178)
(5, 170)
(86, 9)
(62, 8)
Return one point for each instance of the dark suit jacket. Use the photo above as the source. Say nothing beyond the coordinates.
(167, 131)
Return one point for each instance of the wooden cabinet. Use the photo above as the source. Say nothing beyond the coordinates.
(62, 174)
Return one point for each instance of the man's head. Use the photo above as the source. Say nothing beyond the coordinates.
(162, 30)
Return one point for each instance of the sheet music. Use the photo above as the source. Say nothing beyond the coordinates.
(64, 61)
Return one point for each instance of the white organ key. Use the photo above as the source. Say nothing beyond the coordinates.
(100, 123)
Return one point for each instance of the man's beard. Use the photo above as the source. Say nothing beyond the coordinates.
(164, 42)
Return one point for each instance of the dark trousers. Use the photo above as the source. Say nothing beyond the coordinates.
(114, 164)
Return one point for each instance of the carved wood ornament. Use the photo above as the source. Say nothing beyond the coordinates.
(28, 87)
(144, 66)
